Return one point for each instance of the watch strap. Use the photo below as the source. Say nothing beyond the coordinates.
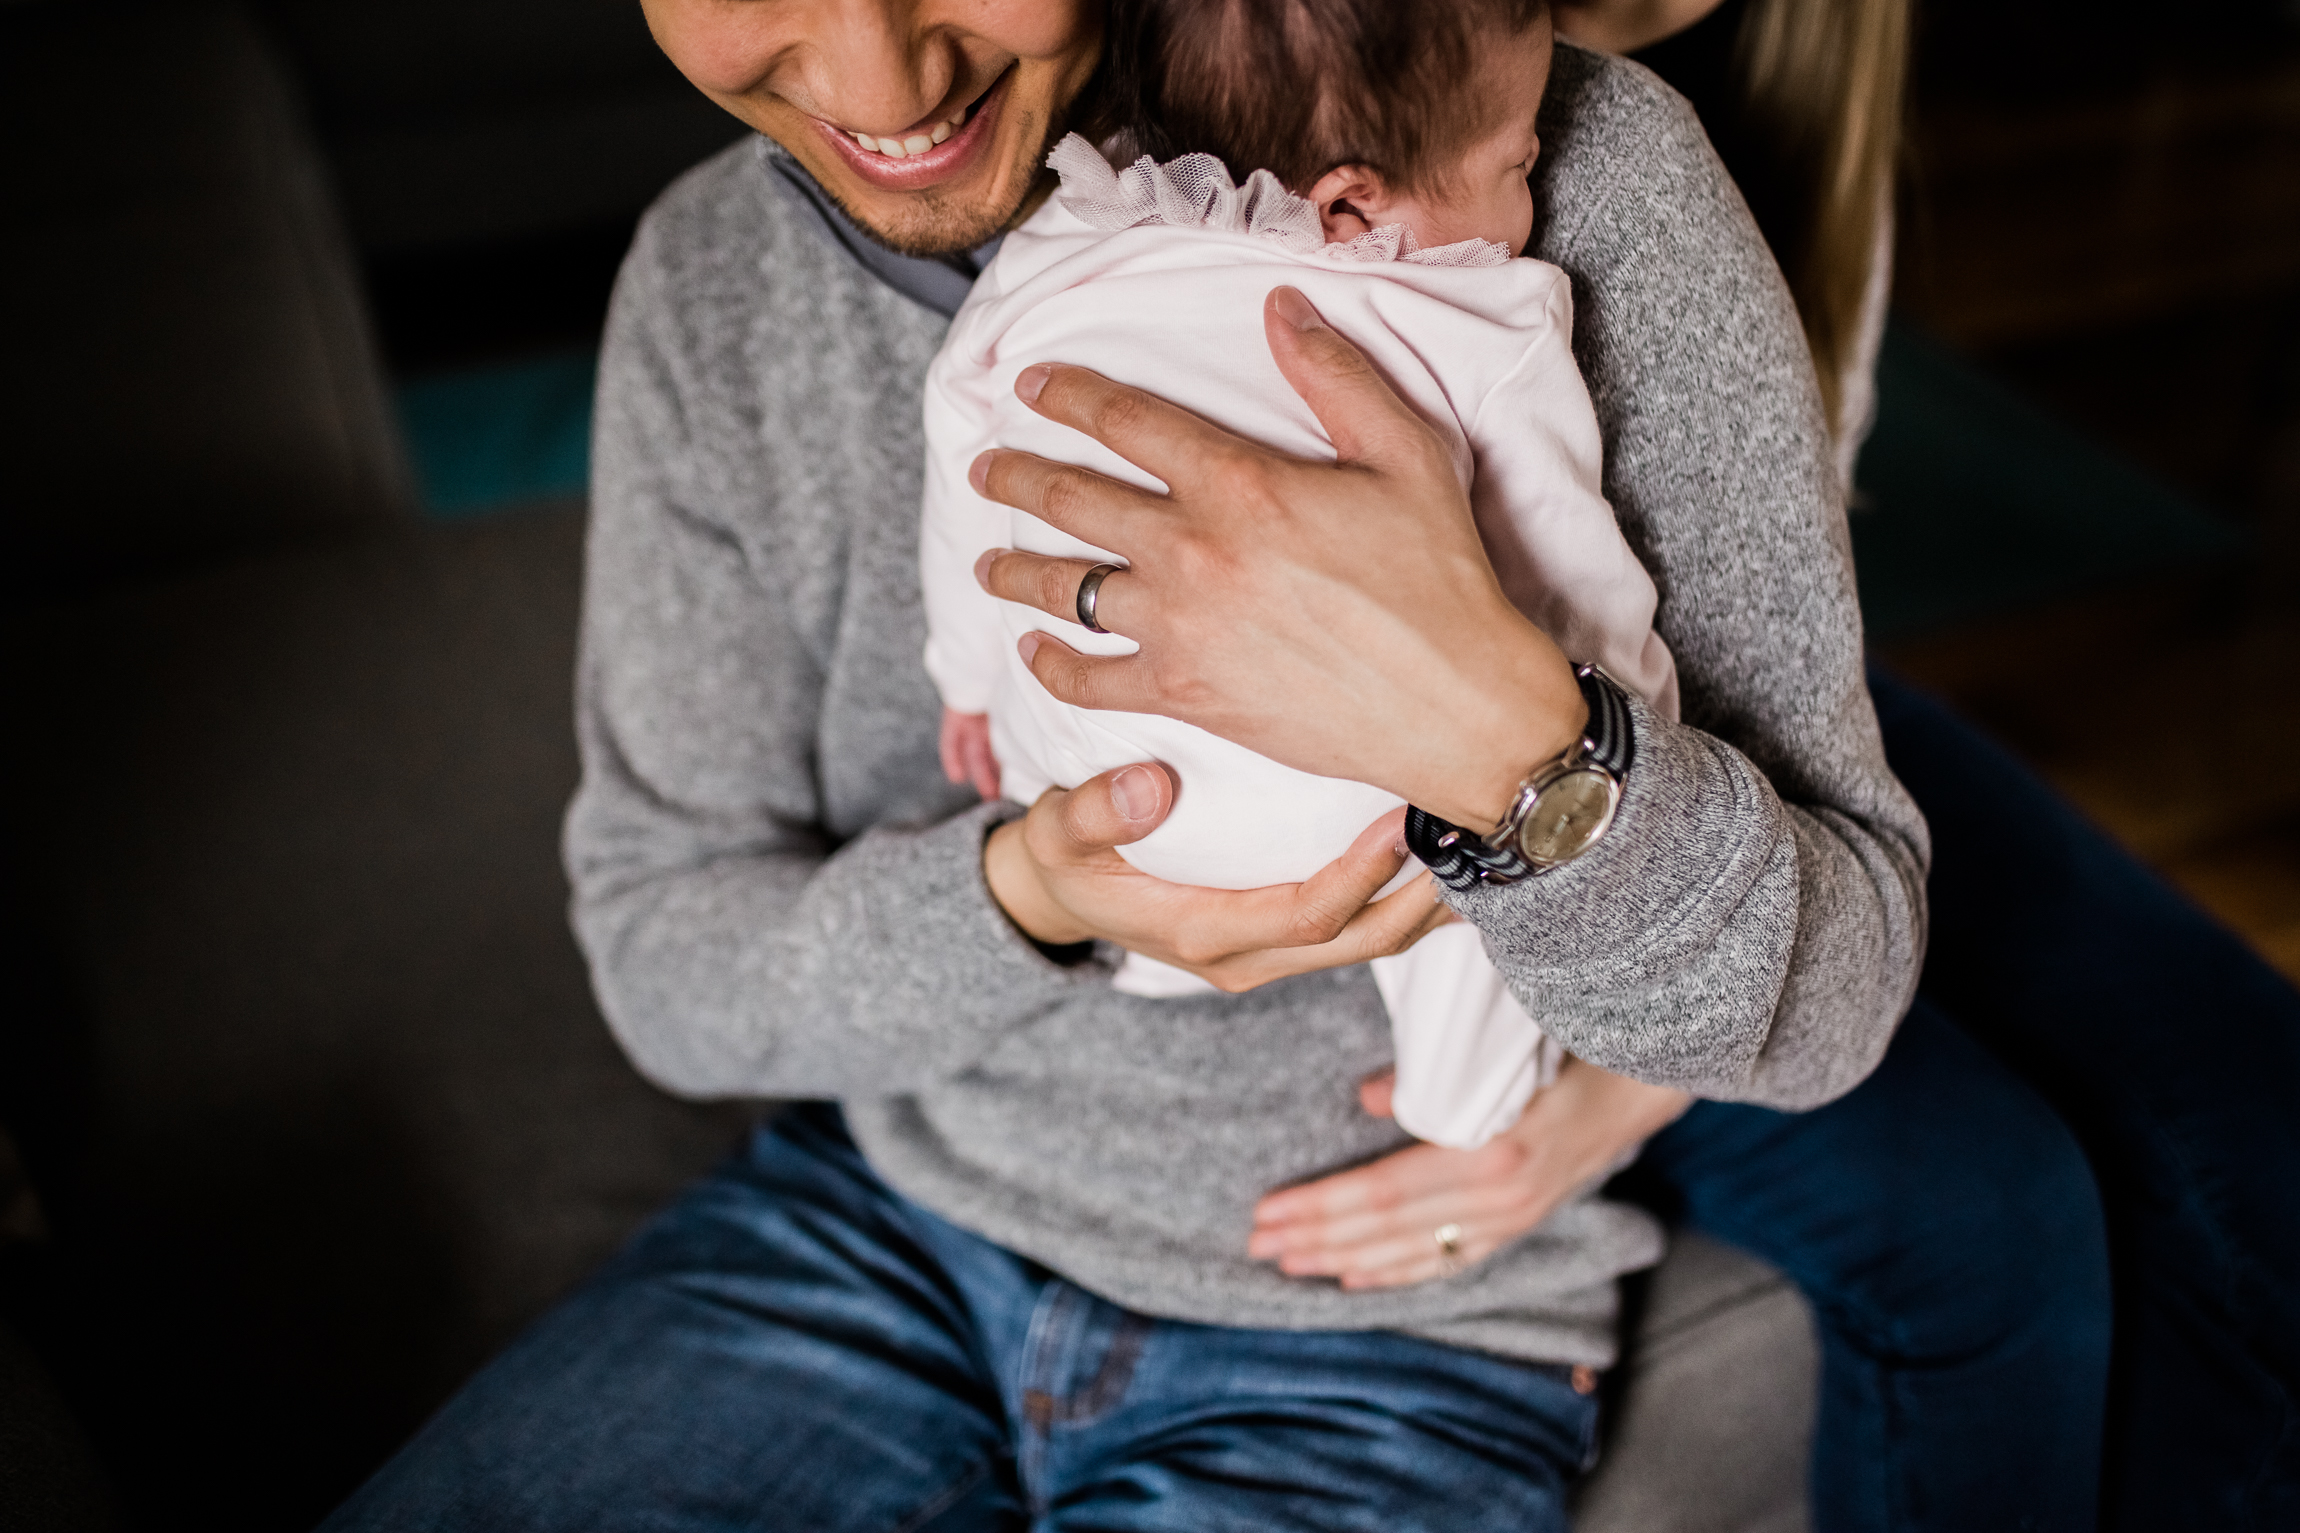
(1462, 859)
(1608, 739)
(1458, 857)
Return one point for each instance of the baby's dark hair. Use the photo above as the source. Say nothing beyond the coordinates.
(1297, 87)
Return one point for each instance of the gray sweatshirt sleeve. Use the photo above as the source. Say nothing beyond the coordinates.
(741, 941)
(1752, 927)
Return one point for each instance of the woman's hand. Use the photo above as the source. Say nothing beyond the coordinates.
(1338, 617)
(1057, 874)
(1375, 1227)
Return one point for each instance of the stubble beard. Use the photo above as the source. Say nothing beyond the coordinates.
(935, 224)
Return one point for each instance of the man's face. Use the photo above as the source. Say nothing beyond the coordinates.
(959, 97)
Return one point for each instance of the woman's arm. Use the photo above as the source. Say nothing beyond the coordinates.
(1370, 1228)
(1342, 618)
(1751, 927)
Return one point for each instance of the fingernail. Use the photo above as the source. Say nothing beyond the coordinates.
(1031, 381)
(982, 569)
(1295, 310)
(978, 474)
(1028, 644)
(1134, 794)
(1398, 848)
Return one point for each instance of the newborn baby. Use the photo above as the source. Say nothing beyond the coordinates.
(1402, 227)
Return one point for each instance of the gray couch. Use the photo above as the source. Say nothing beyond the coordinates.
(302, 1062)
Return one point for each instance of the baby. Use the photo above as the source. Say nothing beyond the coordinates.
(1375, 156)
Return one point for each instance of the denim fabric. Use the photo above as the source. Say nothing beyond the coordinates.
(1944, 1225)
(2172, 1052)
(792, 1346)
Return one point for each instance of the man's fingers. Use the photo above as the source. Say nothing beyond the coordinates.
(1081, 502)
(1051, 585)
(1102, 812)
(1169, 443)
(1088, 681)
(1362, 414)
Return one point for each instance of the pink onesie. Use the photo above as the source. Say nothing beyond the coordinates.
(1155, 276)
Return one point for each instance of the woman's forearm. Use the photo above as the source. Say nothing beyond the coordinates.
(1582, 1124)
(1373, 1227)
(1752, 926)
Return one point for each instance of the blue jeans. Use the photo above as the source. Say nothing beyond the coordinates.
(792, 1346)
(2173, 1055)
(1943, 1223)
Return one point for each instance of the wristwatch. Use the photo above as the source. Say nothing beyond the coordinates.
(1559, 811)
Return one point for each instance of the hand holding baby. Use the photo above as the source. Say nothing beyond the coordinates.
(1340, 618)
(1057, 874)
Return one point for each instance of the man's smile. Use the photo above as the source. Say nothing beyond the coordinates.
(926, 153)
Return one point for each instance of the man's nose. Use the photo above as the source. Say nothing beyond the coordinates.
(877, 66)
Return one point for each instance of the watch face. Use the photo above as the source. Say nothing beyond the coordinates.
(1570, 813)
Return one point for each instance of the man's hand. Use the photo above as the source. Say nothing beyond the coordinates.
(1057, 874)
(1338, 617)
(1375, 1227)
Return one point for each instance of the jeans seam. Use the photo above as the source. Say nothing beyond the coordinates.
(942, 1500)
(1041, 1344)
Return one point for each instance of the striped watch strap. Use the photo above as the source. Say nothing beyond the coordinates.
(1462, 859)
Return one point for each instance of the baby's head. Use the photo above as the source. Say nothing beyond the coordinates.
(1414, 112)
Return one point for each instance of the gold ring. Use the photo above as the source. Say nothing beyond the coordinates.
(1448, 1238)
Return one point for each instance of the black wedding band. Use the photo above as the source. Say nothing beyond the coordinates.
(1090, 593)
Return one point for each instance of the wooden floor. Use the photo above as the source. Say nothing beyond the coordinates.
(2169, 711)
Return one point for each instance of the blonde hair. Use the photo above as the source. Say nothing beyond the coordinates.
(1822, 84)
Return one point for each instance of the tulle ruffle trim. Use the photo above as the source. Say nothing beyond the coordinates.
(1196, 192)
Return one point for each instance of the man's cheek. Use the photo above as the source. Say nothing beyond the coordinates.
(722, 50)
(1031, 29)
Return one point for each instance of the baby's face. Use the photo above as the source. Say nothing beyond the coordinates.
(1486, 197)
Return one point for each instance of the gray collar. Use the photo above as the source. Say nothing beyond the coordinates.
(939, 285)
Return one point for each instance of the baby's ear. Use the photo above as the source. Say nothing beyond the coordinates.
(1351, 200)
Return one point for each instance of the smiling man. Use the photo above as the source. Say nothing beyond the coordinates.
(928, 123)
(1015, 1277)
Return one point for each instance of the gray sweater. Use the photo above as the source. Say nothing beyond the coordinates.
(781, 896)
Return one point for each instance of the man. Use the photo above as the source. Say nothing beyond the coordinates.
(1028, 1297)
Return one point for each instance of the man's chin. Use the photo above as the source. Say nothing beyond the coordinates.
(947, 218)
(929, 224)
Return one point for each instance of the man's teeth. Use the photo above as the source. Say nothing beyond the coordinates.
(917, 143)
